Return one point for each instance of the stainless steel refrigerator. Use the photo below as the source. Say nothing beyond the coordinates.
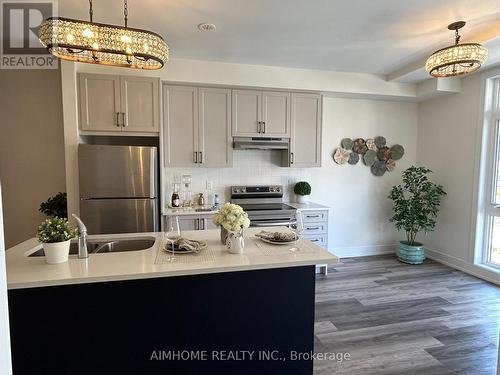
(118, 188)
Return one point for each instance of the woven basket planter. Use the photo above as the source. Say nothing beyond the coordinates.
(411, 254)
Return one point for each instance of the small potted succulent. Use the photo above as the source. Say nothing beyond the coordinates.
(232, 219)
(416, 205)
(55, 234)
(302, 189)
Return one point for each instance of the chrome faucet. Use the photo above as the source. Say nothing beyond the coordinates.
(82, 238)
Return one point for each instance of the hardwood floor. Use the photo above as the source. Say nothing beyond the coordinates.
(393, 318)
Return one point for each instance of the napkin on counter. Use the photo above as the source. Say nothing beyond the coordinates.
(190, 245)
(277, 236)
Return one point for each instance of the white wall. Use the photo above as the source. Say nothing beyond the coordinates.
(448, 134)
(31, 147)
(5, 366)
(359, 218)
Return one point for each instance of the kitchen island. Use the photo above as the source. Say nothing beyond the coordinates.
(123, 313)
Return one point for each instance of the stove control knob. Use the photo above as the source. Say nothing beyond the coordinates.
(278, 189)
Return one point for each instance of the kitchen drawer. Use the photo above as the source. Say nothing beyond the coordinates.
(314, 216)
(320, 240)
(315, 228)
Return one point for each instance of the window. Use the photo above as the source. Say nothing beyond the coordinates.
(490, 245)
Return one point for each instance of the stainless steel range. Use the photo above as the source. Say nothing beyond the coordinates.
(264, 205)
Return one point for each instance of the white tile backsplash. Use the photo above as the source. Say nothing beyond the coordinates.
(250, 167)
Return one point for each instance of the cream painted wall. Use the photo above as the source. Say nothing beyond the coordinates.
(31, 147)
(448, 134)
(360, 208)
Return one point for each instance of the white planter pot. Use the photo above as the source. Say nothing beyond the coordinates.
(56, 252)
(302, 199)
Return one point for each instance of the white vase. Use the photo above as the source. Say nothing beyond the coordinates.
(56, 252)
(235, 242)
(302, 199)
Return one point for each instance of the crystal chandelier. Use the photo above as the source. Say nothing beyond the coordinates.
(458, 59)
(97, 43)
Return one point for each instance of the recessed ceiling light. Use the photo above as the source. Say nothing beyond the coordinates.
(206, 27)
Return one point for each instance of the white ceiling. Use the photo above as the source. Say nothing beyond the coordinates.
(368, 36)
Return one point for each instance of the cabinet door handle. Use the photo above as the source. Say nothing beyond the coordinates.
(201, 157)
(124, 121)
(314, 240)
(313, 228)
(195, 157)
(264, 127)
(258, 127)
(312, 216)
(196, 224)
(292, 158)
(118, 119)
(202, 221)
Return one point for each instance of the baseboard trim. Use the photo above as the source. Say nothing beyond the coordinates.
(363, 251)
(463, 266)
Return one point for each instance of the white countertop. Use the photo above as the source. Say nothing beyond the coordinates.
(308, 206)
(28, 272)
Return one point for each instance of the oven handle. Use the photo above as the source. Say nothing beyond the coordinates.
(255, 224)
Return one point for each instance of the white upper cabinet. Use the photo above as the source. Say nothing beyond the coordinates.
(305, 142)
(246, 111)
(214, 119)
(99, 102)
(275, 114)
(197, 126)
(139, 102)
(110, 103)
(180, 126)
(257, 113)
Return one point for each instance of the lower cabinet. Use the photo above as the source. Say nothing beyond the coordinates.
(316, 230)
(195, 222)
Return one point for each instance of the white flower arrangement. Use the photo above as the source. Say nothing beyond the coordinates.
(232, 217)
(55, 229)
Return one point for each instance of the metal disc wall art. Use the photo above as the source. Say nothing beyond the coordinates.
(370, 157)
(378, 168)
(347, 143)
(397, 152)
(341, 155)
(370, 143)
(353, 158)
(374, 152)
(384, 153)
(360, 146)
(380, 142)
(390, 165)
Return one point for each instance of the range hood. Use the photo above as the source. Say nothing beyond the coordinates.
(257, 143)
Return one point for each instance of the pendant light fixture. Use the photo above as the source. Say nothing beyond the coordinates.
(458, 59)
(98, 43)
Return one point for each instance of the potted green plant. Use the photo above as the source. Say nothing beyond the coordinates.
(302, 189)
(55, 234)
(56, 206)
(416, 206)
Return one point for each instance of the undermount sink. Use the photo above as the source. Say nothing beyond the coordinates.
(108, 246)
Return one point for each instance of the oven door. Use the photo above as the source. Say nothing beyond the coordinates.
(261, 221)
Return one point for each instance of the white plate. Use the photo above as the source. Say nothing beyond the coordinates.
(274, 242)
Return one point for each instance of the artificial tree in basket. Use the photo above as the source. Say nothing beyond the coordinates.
(416, 206)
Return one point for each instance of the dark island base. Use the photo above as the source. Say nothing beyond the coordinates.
(203, 324)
